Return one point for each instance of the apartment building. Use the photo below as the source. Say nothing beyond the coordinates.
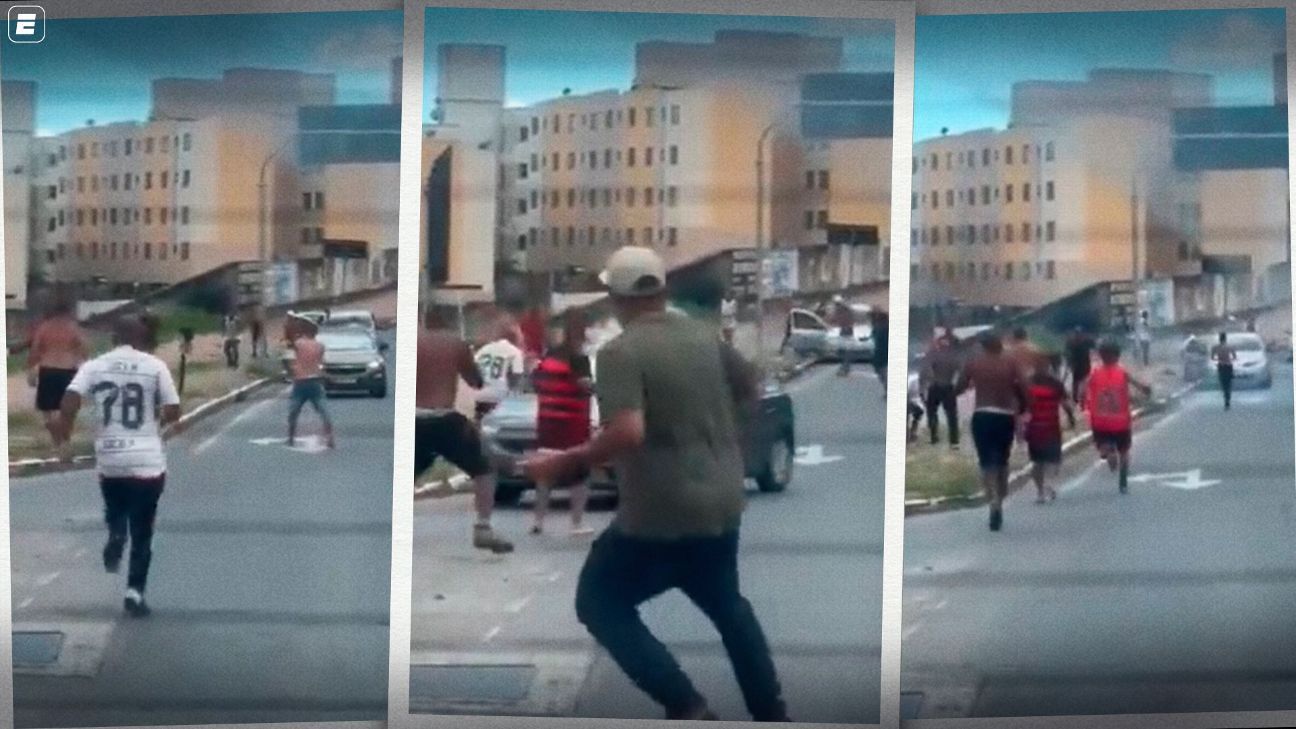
(1080, 188)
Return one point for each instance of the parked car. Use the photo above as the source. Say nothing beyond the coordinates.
(810, 336)
(354, 361)
(1252, 368)
(352, 319)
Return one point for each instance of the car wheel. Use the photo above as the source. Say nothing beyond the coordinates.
(507, 495)
(379, 392)
(777, 473)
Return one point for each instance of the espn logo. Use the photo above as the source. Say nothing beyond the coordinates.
(26, 24)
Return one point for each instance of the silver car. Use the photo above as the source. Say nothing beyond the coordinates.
(808, 335)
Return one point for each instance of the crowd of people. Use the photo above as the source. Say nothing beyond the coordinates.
(670, 388)
(1020, 395)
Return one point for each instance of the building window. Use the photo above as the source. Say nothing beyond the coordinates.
(53, 223)
(1025, 153)
(535, 199)
(675, 118)
(80, 216)
(672, 235)
(630, 157)
(915, 165)
(148, 180)
(1048, 152)
(1048, 190)
(648, 197)
(935, 236)
(148, 216)
(1026, 192)
(1008, 233)
(985, 157)
(51, 192)
(985, 194)
(184, 215)
(148, 145)
(1050, 271)
(164, 179)
(913, 201)
(94, 184)
(823, 179)
(148, 251)
(1026, 233)
(1050, 231)
(821, 219)
(935, 199)
(949, 198)
(607, 197)
(521, 206)
(126, 181)
(1008, 271)
(523, 134)
(971, 234)
(672, 196)
(522, 171)
(1008, 191)
(112, 216)
(535, 162)
(61, 218)
(810, 179)
(985, 233)
(1026, 270)
(934, 162)
(307, 201)
(1008, 155)
(674, 155)
(184, 251)
(971, 196)
(810, 224)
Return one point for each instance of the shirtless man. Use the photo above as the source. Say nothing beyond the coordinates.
(1000, 399)
(441, 431)
(58, 349)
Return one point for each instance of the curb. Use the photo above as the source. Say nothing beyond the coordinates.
(1021, 476)
(34, 466)
(456, 484)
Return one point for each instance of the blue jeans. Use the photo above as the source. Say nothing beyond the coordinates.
(622, 572)
(303, 392)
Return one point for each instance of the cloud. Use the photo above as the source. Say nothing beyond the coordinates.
(1239, 43)
(370, 49)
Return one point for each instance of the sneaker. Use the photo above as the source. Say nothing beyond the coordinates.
(996, 519)
(698, 713)
(112, 555)
(135, 605)
(485, 538)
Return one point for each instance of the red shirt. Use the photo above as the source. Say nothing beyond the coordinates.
(1108, 400)
(1045, 397)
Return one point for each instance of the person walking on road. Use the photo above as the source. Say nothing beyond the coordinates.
(1024, 352)
(881, 351)
(1079, 353)
(230, 330)
(844, 319)
(1143, 336)
(501, 364)
(1223, 355)
(1000, 398)
(307, 377)
(257, 333)
(669, 391)
(134, 397)
(563, 382)
(57, 350)
(1110, 415)
(1046, 394)
(440, 431)
(939, 370)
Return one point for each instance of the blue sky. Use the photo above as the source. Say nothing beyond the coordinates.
(965, 65)
(101, 68)
(549, 50)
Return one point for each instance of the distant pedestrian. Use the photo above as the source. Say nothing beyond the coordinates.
(57, 349)
(1223, 355)
(230, 332)
(881, 350)
(440, 431)
(1000, 398)
(669, 394)
(844, 320)
(134, 397)
(307, 377)
(1110, 415)
(1079, 353)
(1045, 395)
(257, 332)
(940, 369)
(914, 407)
(729, 317)
(563, 382)
(1143, 336)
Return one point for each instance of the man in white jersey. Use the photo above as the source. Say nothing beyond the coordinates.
(502, 364)
(133, 397)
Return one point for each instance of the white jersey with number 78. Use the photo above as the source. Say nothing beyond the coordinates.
(126, 390)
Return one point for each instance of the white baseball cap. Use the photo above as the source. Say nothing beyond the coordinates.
(634, 271)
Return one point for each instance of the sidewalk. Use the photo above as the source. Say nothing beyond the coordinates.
(939, 472)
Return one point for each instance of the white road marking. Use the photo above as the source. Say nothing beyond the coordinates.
(490, 634)
(209, 441)
(26, 603)
(813, 455)
(519, 605)
(45, 580)
(311, 444)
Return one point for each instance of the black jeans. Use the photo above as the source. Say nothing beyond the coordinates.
(130, 507)
(623, 572)
(1226, 383)
(942, 397)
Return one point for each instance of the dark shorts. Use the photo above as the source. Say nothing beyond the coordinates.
(482, 409)
(993, 434)
(51, 384)
(1047, 450)
(561, 434)
(1118, 440)
(452, 437)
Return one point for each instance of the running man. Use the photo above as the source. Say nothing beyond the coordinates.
(134, 398)
(669, 391)
(1223, 355)
(58, 348)
(502, 365)
(939, 370)
(1110, 415)
(1000, 398)
(1143, 336)
(1079, 352)
(1045, 394)
(563, 382)
(440, 431)
(307, 377)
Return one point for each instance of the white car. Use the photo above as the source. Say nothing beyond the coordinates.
(351, 319)
(1251, 368)
(810, 336)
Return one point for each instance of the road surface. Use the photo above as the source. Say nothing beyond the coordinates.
(269, 586)
(1174, 598)
(498, 635)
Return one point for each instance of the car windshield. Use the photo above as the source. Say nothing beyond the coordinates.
(1248, 344)
(340, 342)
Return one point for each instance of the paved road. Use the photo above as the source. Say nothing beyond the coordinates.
(270, 581)
(505, 629)
(1169, 599)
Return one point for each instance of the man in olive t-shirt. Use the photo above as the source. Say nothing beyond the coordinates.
(669, 391)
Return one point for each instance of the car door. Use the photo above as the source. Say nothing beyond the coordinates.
(806, 332)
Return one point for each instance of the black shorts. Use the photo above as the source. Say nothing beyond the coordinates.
(51, 384)
(1119, 440)
(450, 436)
(1045, 451)
(482, 409)
(993, 434)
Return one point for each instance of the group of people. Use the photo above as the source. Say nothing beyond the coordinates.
(232, 325)
(670, 389)
(134, 398)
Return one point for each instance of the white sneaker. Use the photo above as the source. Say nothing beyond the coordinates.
(135, 605)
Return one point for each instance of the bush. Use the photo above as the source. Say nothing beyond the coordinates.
(212, 296)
